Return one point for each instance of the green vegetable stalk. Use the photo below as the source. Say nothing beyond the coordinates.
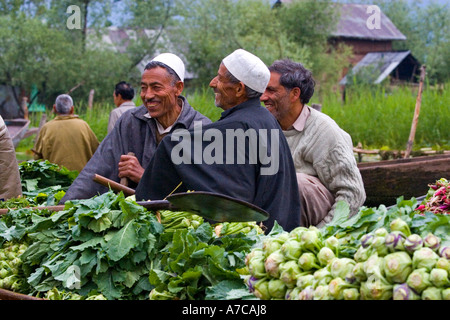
(362, 254)
(413, 242)
(351, 294)
(272, 263)
(304, 281)
(431, 241)
(358, 272)
(321, 292)
(374, 266)
(332, 243)
(256, 266)
(376, 288)
(307, 293)
(424, 258)
(394, 241)
(432, 293)
(445, 294)
(397, 266)
(444, 252)
(419, 280)
(312, 240)
(163, 295)
(325, 256)
(379, 245)
(297, 233)
(261, 289)
(337, 287)
(443, 263)
(400, 225)
(341, 267)
(323, 276)
(439, 278)
(271, 245)
(366, 240)
(308, 261)
(277, 289)
(11, 274)
(292, 249)
(289, 271)
(404, 292)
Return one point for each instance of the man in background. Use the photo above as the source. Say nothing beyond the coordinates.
(10, 185)
(123, 99)
(66, 140)
(323, 153)
(140, 130)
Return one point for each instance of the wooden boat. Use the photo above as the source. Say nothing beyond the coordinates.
(17, 129)
(386, 180)
(10, 295)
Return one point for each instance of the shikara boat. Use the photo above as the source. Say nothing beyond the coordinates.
(386, 180)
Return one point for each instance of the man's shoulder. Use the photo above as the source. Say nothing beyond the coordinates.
(189, 112)
(323, 121)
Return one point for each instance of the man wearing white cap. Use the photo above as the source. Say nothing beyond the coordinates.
(140, 130)
(243, 155)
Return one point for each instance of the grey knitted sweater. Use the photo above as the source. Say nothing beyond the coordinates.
(322, 149)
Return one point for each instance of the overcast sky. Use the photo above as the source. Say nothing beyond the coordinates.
(119, 7)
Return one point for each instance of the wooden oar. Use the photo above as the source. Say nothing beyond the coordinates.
(113, 185)
(213, 206)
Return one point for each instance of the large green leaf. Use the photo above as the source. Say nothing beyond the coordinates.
(122, 242)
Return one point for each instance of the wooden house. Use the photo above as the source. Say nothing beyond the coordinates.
(372, 45)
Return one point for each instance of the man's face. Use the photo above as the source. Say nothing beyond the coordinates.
(276, 97)
(116, 98)
(158, 94)
(224, 90)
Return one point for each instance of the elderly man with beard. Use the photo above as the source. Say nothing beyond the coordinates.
(140, 130)
(243, 155)
(323, 153)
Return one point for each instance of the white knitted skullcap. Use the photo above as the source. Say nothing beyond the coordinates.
(249, 69)
(172, 61)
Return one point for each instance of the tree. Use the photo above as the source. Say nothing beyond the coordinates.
(32, 53)
(427, 29)
(208, 30)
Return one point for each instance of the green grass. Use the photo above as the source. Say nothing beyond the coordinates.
(382, 119)
(378, 118)
(202, 100)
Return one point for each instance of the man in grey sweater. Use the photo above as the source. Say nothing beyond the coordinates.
(322, 152)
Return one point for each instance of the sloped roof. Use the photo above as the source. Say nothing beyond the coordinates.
(383, 64)
(352, 24)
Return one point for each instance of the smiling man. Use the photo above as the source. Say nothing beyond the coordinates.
(322, 152)
(243, 155)
(140, 129)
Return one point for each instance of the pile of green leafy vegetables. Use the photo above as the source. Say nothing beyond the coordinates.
(350, 230)
(43, 184)
(109, 247)
(112, 246)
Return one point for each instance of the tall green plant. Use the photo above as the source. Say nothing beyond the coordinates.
(381, 117)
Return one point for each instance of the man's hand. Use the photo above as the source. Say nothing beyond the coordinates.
(129, 167)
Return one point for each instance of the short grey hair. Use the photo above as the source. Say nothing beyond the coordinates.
(295, 75)
(63, 104)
